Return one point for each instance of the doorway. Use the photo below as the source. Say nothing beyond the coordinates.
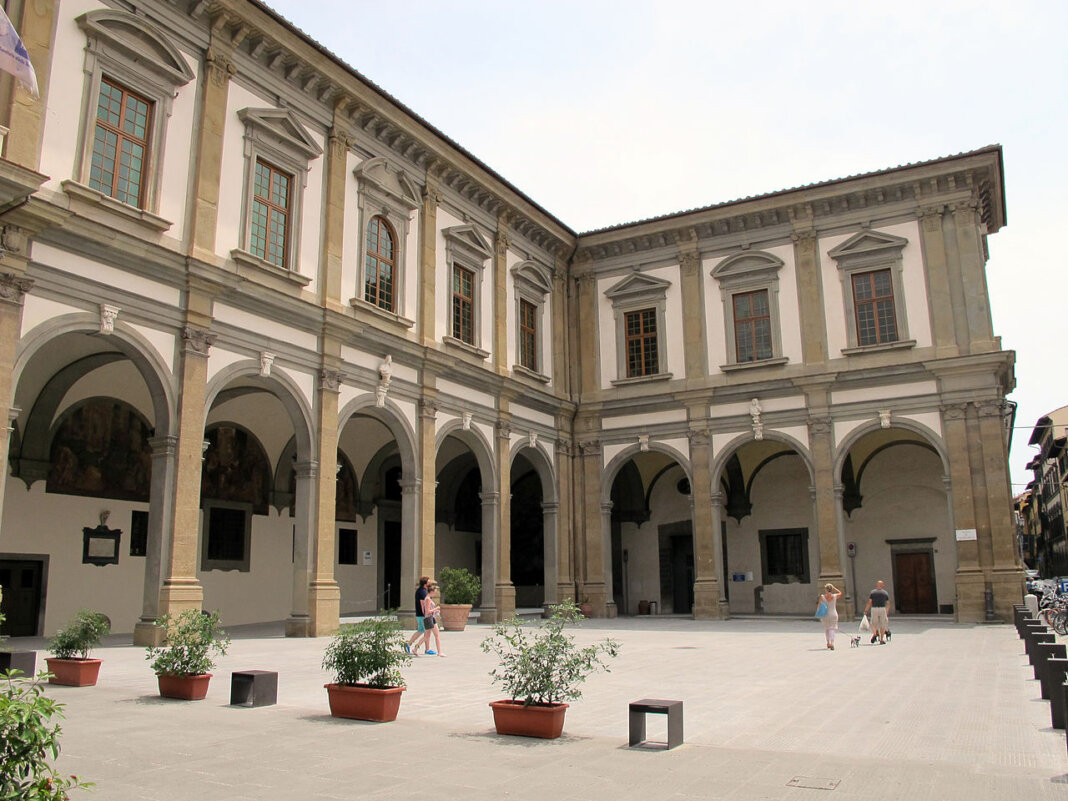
(22, 581)
(391, 564)
(914, 583)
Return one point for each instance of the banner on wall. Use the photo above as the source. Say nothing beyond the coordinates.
(14, 58)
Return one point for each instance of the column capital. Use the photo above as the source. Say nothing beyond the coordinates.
(197, 341)
(163, 446)
(606, 507)
(489, 497)
(590, 448)
(504, 430)
(819, 426)
(330, 380)
(428, 409)
(699, 438)
(13, 288)
(990, 408)
(954, 411)
(308, 469)
(219, 66)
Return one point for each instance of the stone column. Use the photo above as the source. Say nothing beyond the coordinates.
(336, 176)
(606, 562)
(324, 594)
(592, 533)
(298, 624)
(847, 609)
(969, 242)
(810, 297)
(26, 116)
(421, 561)
(489, 612)
(207, 160)
(970, 603)
(821, 444)
(939, 288)
(504, 590)
(411, 497)
(588, 362)
(13, 289)
(716, 503)
(428, 239)
(706, 590)
(695, 338)
(181, 590)
(500, 297)
(561, 332)
(565, 545)
(549, 516)
(160, 509)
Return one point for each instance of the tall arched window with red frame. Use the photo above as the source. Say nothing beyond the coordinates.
(379, 264)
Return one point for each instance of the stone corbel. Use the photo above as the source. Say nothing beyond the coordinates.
(532, 438)
(108, 313)
(385, 376)
(643, 443)
(884, 418)
(755, 410)
(266, 362)
(465, 421)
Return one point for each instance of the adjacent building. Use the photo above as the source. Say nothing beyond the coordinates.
(1048, 497)
(272, 344)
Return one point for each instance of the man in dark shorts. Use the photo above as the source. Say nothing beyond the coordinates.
(420, 630)
(878, 603)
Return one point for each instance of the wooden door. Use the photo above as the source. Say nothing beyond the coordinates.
(914, 583)
(21, 605)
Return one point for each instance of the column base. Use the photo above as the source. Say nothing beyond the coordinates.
(504, 600)
(324, 608)
(147, 633)
(597, 597)
(177, 595)
(565, 591)
(971, 596)
(488, 614)
(706, 600)
(299, 626)
(1009, 585)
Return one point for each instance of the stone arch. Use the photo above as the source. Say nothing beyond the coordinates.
(728, 450)
(608, 475)
(539, 459)
(385, 458)
(146, 359)
(392, 418)
(476, 441)
(279, 384)
(854, 436)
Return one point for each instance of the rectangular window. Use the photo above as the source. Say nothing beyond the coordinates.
(346, 546)
(463, 304)
(269, 233)
(784, 555)
(138, 533)
(752, 325)
(873, 300)
(641, 343)
(120, 144)
(528, 335)
(226, 535)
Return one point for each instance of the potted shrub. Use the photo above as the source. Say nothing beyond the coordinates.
(70, 648)
(366, 659)
(541, 668)
(460, 590)
(187, 655)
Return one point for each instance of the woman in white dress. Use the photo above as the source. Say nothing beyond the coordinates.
(830, 596)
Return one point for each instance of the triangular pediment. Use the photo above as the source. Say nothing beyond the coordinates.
(391, 180)
(638, 285)
(468, 237)
(285, 127)
(866, 243)
(131, 37)
(747, 263)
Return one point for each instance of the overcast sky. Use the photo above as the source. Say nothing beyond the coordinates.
(609, 112)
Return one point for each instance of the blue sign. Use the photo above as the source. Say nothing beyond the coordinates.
(737, 576)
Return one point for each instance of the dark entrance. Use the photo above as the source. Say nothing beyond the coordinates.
(914, 583)
(682, 574)
(21, 605)
(391, 564)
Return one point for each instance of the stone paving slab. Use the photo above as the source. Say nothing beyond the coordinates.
(945, 711)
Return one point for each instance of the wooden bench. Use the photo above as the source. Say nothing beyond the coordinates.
(656, 706)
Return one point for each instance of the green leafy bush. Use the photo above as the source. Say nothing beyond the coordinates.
(459, 586)
(77, 639)
(539, 663)
(29, 743)
(370, 652)
(193, 640)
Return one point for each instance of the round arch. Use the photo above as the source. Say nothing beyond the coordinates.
(392, 418)
(732, 447)
(616, 464)
(279, 384)
(478, 444)
(854, 436)
(132, 344)
(539, 459)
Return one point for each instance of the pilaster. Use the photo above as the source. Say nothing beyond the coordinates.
(160, 509)
(706, 590)
(592, 532)
(504, 590)
(967, 228)
(428, 238)
(821, 445)
(500, 297)
(334, 214)
(939, 293)
(324, 594)
(589, 362)
(561, 332)
(810, 297)
(207, 157)
(424, 557)
(26, 115)
(695, 339)
(13, 289)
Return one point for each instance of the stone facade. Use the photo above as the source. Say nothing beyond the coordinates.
(304, 348)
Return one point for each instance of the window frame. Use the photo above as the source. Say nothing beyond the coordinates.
(130, 52)
(276, 137)
(270, 205)
(634, 293)
(383, 224)
(874, 302)
(867, 252)
(532, 284)
(207, 563)
(744, 273)
(466, 338)
(643, 315)
(386, 191)
(465, 247)
(805, 576)
(122, 136)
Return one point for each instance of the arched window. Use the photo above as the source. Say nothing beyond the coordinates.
(378, 286)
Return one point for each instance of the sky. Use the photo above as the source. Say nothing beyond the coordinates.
(608, 112)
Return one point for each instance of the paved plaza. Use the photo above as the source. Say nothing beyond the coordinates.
(944, 712)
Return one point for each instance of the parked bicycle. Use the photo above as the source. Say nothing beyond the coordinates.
(1053, 609)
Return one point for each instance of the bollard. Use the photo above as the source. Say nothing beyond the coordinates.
(1030, 629)
(1046, 653)
(1057, 672)
(1031, 602)
(1023, 620)
(1039, 639)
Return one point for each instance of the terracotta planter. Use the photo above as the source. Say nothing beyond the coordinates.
(73, 672)
(586, 609)
(454, 616)
(360, 702)
(185, 688)
(511, 717)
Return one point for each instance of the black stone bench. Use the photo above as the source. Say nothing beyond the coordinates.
(656, 706)
(26, 661)
(253, 688)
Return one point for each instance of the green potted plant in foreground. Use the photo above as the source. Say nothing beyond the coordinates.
(183, 662)
(70, 663)
(460, 590)
(541, 668)
(366, 659)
